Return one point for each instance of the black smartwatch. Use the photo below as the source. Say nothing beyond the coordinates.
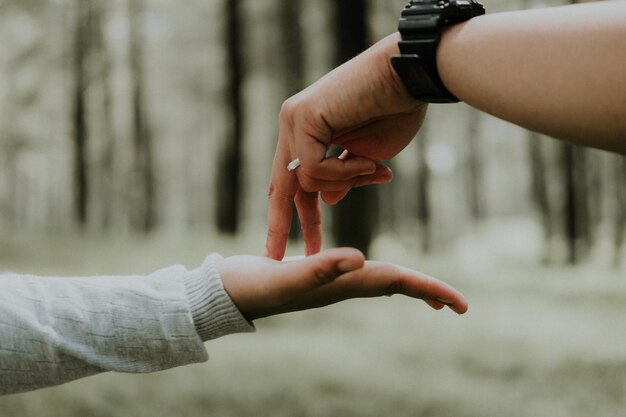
(420, 28)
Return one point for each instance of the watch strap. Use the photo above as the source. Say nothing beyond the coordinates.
(420, 80)
(420, 27)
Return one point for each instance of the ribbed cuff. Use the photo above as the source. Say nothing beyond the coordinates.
(214, 313)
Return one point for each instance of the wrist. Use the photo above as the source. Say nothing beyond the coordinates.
(213, 311)
(386, 49)
(389, 48)
(453, 53)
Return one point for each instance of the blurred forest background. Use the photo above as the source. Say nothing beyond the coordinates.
(145, 116)
(135, 133)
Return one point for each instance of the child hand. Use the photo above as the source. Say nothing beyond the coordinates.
(262, 287)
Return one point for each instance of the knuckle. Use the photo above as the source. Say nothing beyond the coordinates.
(322, 276)
(272, 191)
(395, 287)
(289, 107)
(274, 194)
(273, 233)
(314, 224)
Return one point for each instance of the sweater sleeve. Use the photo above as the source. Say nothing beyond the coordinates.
(57, 329)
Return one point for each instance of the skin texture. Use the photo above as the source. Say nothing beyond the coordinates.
(558, 71)
(262, 287)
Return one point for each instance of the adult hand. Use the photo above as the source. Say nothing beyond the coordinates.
(262, 287)
(361, 106)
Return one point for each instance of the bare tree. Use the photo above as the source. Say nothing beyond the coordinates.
(539, 191)
(230, 162)
(79, 112)
(424, 212)
(575, 204)
(354, 217)
(21, 101)
(620, 209)
(292, 46)
(143, 217)
(102, 78)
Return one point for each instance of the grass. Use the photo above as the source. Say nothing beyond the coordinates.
(537, 341)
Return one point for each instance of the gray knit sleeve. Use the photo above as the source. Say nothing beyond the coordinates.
(214, 313)
(57, 329)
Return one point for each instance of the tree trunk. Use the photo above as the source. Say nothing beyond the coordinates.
(355, 216)
(79, 112)
(539, 191)
(230, 163)
(424, 213)
(105, 113)
(620, 209)
(292, 46)
(576, 212)
(143, 218)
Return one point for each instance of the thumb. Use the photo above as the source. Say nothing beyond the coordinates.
(322, 268)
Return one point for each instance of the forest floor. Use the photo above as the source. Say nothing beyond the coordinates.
(537, 341)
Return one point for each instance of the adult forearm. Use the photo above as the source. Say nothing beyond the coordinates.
(560, 71)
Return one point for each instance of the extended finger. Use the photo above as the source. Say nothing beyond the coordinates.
(418, 285)
(280, 208)
(310, 215)
(282, 190)
(379, 278)
(435, 304)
